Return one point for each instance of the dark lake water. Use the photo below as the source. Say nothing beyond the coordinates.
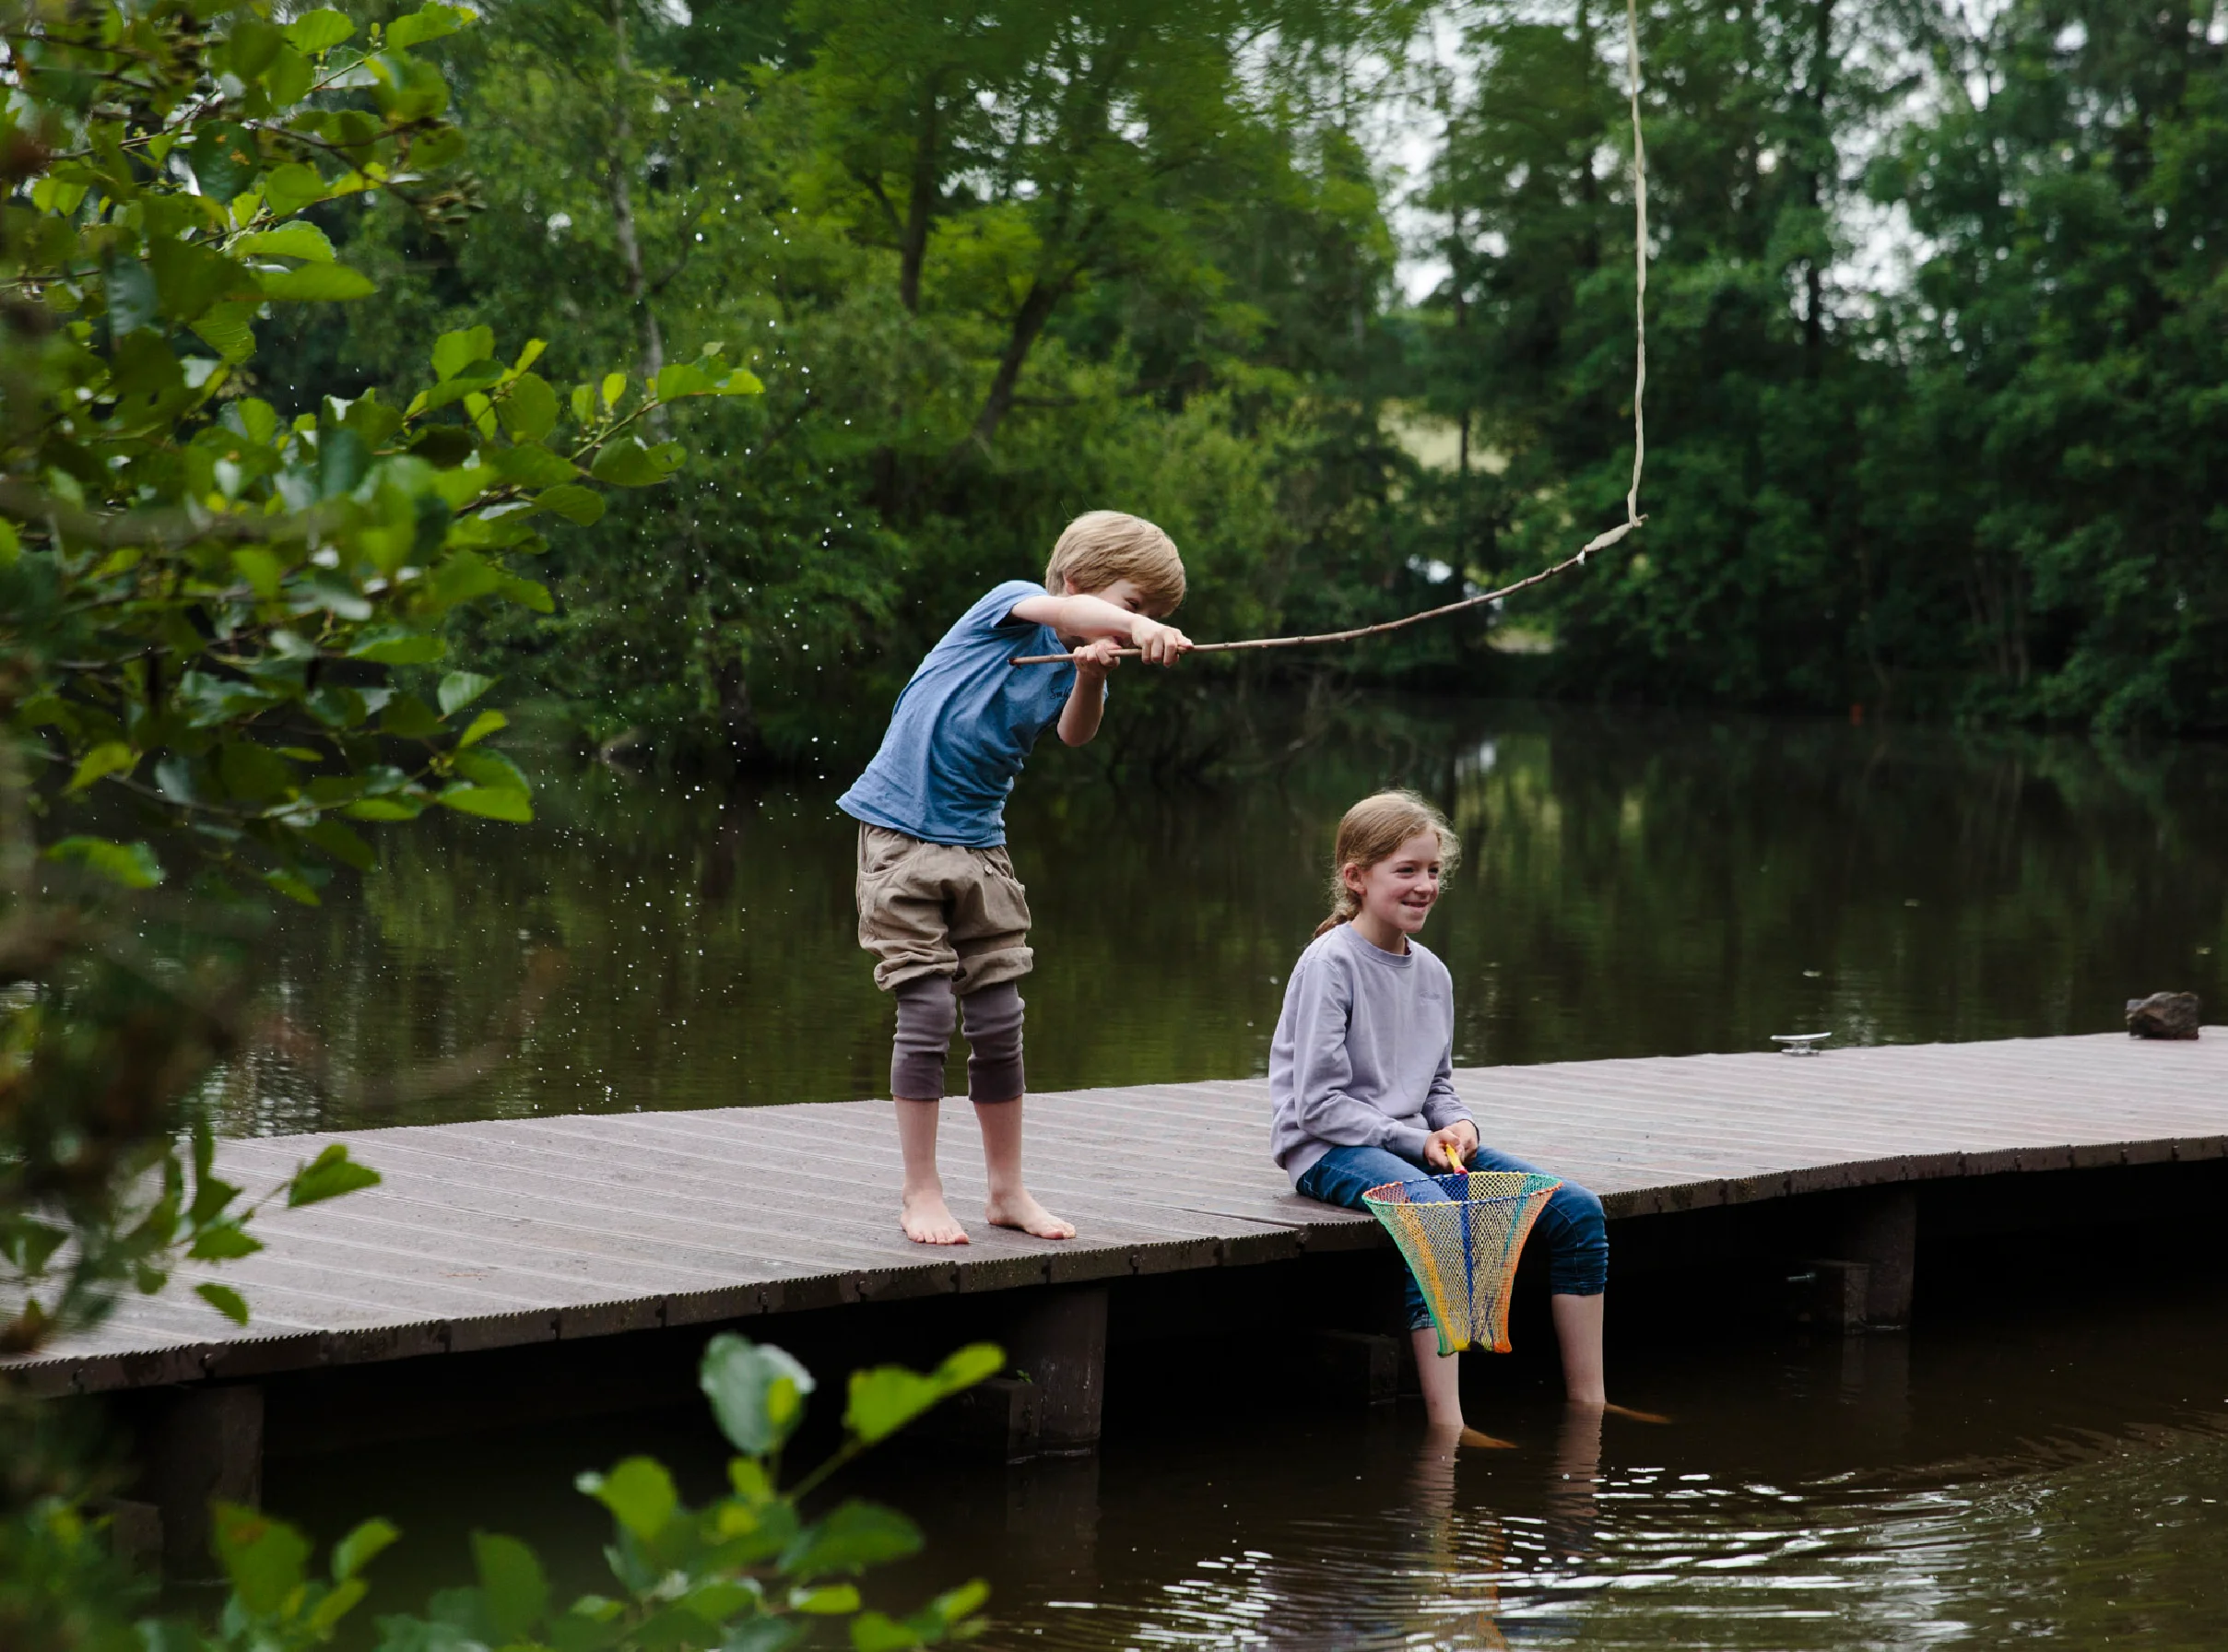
(2005, 1475)
(2052, 1470)
(1634, 885)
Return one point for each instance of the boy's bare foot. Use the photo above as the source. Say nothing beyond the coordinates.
(1474, 1441)
(1021, 1211)
(927, 1220)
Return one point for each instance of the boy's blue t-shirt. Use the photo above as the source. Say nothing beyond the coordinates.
(964, 728)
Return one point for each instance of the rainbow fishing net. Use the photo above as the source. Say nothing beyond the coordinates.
(1462, 1234)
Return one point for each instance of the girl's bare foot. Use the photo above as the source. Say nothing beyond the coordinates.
(1021, 1211)
(927, 1220)
(1629, 1415)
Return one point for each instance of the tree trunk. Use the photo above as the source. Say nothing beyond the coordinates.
(616, 187)
(1028, 324)
(920, 205)
(1822, 151)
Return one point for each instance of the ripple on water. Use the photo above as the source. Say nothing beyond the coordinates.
(2085, 1540)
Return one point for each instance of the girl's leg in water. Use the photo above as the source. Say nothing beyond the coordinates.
(1340, 1177)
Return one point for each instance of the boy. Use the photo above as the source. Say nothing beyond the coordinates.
(939, 906)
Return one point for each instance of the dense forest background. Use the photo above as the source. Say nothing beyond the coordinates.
(1939, 332)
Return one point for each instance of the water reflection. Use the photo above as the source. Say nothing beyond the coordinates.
(1636, 885)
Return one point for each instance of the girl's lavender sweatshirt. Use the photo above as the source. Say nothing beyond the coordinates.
(1363, 1054)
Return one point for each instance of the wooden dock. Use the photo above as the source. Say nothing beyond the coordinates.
(507, 1233)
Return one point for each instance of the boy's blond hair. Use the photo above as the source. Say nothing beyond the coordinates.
(1101, 547)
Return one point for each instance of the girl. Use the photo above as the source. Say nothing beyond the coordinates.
(1362, 1073)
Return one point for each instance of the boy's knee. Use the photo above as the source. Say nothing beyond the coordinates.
(927, 1015)
(994, 1017)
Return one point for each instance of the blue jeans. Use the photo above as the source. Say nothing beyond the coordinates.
(1577, 1237)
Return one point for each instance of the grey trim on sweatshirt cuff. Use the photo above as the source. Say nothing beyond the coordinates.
(1407, 1141)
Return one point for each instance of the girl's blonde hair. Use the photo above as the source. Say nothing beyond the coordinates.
(1374, 830)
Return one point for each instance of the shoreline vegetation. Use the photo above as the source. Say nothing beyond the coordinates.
(1935, 336)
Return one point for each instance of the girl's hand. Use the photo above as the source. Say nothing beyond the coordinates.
(1447, 1150)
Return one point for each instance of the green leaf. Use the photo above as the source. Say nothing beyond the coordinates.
(338, 1603)
(682, 378)
(409, 717)
(757, 1391)
(223, 1242)
(342, 845)
(288, 189)
(320, 30)
(384, 809)
(111, 757)
(292, 887)
(189, 277)
(573, 503)
(854, 1537)
(485, 724)
(317, 283)
(225, 1300)
(289, 77)
(132, 864)
(360, 1547)
(300, 240)
(887, 1397)
(427, 23)
(493, 802)
(639, 1492)
(629, 463)
(266, 1559)
(328, 1176)
(829, 1602)
(229, 329)
(615, 387)
(877, 1632)
(528, 408)
(741, 382)
(459, 688)
(511, 1587)
(532, 466)
(392, 646)
(452, 352)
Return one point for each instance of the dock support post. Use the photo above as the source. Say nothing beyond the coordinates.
(202, 1444)
(1058, 1340)
(1351, 1368)
(1881, 1230)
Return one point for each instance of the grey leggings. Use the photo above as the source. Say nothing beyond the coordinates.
(925, 1016)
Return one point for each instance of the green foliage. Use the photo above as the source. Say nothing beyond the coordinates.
(217, 623)
(751, 1569)
(992, 270)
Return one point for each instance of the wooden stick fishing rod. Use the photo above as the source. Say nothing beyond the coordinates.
(1599, 542)
(1633, 518)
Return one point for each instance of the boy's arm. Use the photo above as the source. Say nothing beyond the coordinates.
(1093, 618)
(1087, 699)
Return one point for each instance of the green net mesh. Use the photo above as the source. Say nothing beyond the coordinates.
(1461, 1235)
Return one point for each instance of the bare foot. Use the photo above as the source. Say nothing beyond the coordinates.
(1631, 1415)
(1022, 1211)
(1450, 1437)
(1474, 1441)
(927, 1220)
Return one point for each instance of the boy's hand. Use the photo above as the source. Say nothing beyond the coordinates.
(1462, 1135)
(1160, 644)
(1098, 658)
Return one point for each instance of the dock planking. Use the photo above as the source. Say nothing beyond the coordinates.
(504, 1233)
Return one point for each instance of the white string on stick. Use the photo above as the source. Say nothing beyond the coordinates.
(1601, 541)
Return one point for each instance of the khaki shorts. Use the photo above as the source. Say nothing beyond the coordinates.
(935, 909)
